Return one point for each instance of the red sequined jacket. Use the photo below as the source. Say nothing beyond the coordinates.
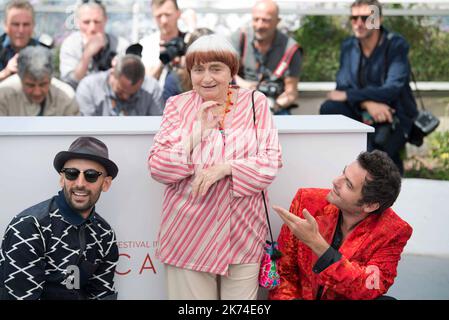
(370, 254)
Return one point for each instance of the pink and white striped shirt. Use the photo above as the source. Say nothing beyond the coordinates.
(228, 224)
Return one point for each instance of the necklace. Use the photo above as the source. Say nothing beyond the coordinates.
(227, 109)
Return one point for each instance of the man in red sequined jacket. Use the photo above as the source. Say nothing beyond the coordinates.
(343, 243)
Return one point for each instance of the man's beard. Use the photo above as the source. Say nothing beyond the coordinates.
(367, 33)
(81, 208)
(261, 35)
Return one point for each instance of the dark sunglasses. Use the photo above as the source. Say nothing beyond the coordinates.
(90, 175)
(355, 18)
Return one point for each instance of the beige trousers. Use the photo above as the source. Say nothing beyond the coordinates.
(241, 283)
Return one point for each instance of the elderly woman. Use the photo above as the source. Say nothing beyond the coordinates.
(216, 151)
(178, 79)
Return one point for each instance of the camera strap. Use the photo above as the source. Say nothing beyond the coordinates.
(42, 107)
(286, 59)
(3, 50)
(243, 40)
(281, 68)
(412, 74)
(418, 93)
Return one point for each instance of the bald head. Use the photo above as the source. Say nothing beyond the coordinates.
(265, 20)
(268, 6)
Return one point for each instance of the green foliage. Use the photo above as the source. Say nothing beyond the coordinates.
(321, 37)
(439, 148)
(435, 165)
(425, 173)
(428, 46)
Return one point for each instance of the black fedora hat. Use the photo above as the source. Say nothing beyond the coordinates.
(87, 148)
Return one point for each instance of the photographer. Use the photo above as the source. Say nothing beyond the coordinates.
(90, 49)
(168, 40)
(124, 90)
(19, 27)
(270, 60)
(178, 79)
(373, 81)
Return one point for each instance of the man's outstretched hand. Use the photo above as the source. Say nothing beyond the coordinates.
(306, 230)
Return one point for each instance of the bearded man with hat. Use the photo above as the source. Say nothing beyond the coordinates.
(62, 248)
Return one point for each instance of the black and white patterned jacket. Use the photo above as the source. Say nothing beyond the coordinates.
(50, 252)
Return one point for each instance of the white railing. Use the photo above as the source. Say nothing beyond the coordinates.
(328, 86)
(327, 7)
(224, 16)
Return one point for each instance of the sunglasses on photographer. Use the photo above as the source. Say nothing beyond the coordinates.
(90, 175)
(355, 18)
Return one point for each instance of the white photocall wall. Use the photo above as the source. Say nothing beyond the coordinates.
(315, 149)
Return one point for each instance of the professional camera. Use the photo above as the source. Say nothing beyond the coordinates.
(384, 131)
(135, 49)
(103, 59)
(174, 48)
(46, 40)
(272, 89)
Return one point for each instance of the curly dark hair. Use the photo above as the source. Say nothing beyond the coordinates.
(383, 181)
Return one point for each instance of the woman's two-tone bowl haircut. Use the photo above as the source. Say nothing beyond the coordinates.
(212, 48)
